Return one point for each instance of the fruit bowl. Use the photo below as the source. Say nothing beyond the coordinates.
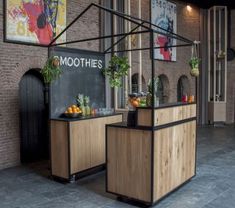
(73, 115)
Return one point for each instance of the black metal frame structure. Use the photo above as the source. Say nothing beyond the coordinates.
(147, 27)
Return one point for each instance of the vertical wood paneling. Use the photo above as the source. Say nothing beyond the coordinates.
(129, 162)
(59, 149)
(174, 157)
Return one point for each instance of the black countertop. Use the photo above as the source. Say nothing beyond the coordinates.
(63, 118)
(168, 105)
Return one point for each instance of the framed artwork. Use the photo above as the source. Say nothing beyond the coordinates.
(35, 22)
(164, 15)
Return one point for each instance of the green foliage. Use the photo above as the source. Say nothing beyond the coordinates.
(194, 62)
(118, 67)
(80, 99)
(86, 100)
(156, 82)
(51, 71)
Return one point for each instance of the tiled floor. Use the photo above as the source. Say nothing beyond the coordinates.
(213, 187)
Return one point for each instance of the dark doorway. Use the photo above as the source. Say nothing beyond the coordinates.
(34, 118)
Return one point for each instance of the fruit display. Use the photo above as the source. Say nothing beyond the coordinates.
(73, 109)
(83, 102)
(137, 100)
(134, 101)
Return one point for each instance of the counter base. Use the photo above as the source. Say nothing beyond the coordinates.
(80, 175)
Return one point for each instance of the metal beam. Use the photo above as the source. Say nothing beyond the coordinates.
(173, 35)
(142, 49)
(83, 12)
(101, 37)
(129, 33)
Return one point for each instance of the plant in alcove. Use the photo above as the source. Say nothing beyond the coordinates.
(51, 71)
(150, 92)
(118, 68)
(194, 64)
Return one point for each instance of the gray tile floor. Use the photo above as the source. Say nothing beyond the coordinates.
(213, 187)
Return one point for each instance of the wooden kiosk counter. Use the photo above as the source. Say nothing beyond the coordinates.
(147, 162)
(78, 144)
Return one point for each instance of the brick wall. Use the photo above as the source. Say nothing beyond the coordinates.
(187, 26)
(15, 60)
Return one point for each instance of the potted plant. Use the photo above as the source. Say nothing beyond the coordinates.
(194, 64)
(117, 68)
(51, 70)
(150, 92)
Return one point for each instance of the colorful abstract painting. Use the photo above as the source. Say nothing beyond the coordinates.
(164, 15)
(35, 21)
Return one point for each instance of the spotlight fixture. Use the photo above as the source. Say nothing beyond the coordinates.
(189, 8)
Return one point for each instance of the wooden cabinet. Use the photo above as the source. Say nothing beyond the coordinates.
(145, 163)
(78, 145)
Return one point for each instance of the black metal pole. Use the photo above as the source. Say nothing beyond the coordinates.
(99, 38)
(153, 73)
(152, 112)
(142, 49)
(126, 34)
(84, 11)
(145, 21)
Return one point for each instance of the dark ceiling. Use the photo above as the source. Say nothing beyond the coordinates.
(209, 3)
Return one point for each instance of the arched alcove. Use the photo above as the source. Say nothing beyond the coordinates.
(135, 83)
(163, 89)
(183, 87)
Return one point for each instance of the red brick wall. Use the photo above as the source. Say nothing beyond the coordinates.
(15, 60)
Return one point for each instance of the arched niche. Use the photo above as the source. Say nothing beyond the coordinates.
(163, 89)
(183, 87)
(135, 83)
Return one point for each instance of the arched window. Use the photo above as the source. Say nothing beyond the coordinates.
(135, 83)
(163, 89)
(183, 87)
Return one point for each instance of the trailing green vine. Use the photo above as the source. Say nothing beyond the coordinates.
(51, 71)
(118, 68)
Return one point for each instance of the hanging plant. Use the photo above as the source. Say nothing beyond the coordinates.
(194, 62)
(51, 71)
(118, 68)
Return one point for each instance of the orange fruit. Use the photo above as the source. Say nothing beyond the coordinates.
(74, 106)
(66, 111)
(69, 109)
(135, 103)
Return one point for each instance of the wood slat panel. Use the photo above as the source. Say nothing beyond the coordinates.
(80, 143)
(174, 157)
(98, 144)
(87, 142)
(166, 115)
(59, 149)
(129, 162)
